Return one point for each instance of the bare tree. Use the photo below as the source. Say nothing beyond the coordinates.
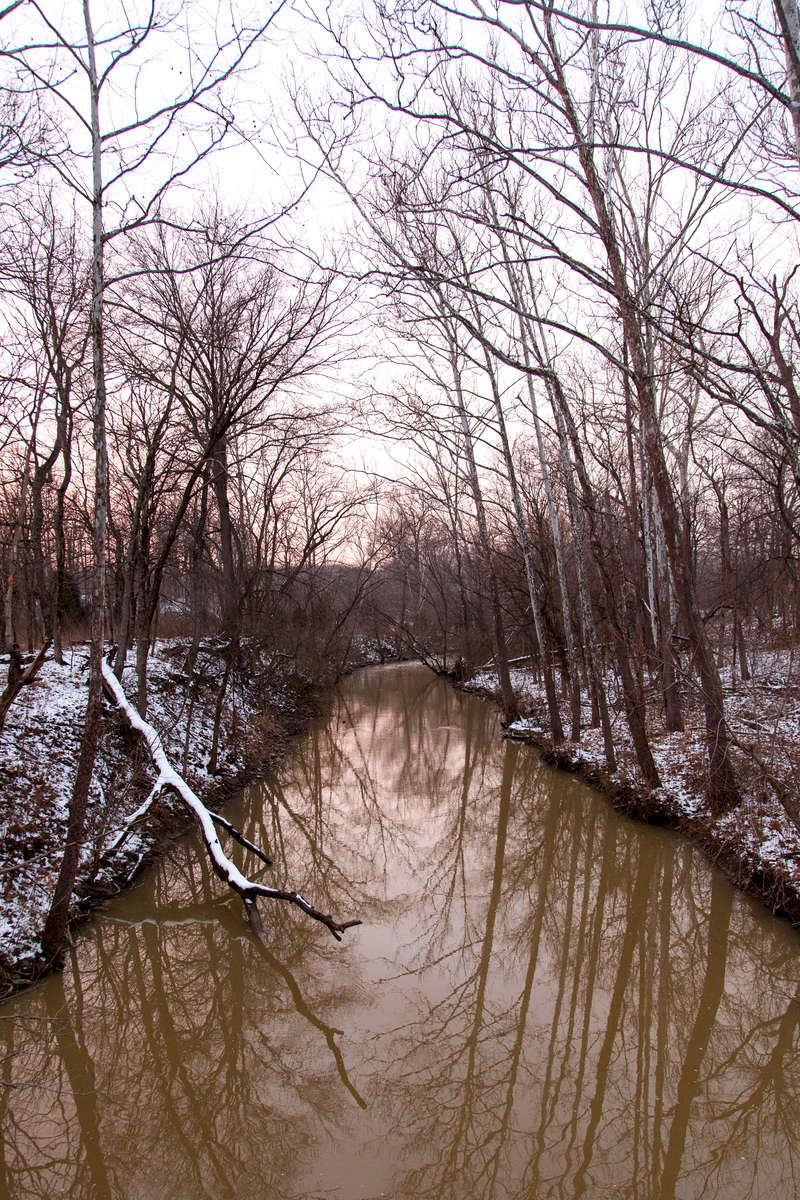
(222, 328)
(129, 145)
(45, 281)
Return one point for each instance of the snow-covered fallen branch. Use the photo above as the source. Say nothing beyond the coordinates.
(228, 872)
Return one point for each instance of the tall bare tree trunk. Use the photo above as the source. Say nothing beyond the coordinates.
(54, 934)
(723, 789)
(220, 481)
(40, 477)
(789, 24)
(568, 434)
(729, 580)
(507, 697)
(554, 715)
(573, 676)
(11, 637)
(555, 526)
(673, 717)
(198, 547)
(59, 538)
(632, 701)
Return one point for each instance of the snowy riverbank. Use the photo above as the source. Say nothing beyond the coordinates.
(758, 844)
(266, 700)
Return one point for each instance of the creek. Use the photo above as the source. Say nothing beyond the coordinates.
(545, 999)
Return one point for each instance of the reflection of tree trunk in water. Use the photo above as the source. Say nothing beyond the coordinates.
(569, 958)
(461, 818)
(6, 1088)
(319, 859)
(273, 800)
(316, 788)
(449, 1162)
(198, 915)
(158, 1045)
(664, 1006)
(636, 913)
(541, 869)
(643, 1152)
(691, 1081)
(227, 990)
(79, 1070)
(198, 873)
(774, 1077)
(349, 723)
(202, 1117)
(607, 883)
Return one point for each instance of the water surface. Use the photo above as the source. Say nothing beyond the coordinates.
(544, 1000)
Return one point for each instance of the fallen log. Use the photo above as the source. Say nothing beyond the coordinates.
(169, 779)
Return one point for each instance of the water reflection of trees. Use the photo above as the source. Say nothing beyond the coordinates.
(571, 1006)
(612, 1036)
(159, 1057)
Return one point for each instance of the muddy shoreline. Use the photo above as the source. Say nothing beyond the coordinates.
(769, 883)
(122, 756)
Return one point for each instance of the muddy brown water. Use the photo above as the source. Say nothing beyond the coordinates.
(544, 1000)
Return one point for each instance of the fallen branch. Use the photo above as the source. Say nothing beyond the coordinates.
(238, 837)
(227, 871)
(15, 686)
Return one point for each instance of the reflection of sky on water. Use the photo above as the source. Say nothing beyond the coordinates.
(544, 999)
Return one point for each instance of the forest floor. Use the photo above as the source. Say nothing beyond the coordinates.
(758, 843)
(264, 705)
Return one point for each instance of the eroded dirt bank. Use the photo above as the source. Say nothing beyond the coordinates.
(758, 844)
(217, 748)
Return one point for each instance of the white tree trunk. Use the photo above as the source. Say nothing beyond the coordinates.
(789, 20)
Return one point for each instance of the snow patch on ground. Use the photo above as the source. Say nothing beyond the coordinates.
(764, 716)
(38, 754)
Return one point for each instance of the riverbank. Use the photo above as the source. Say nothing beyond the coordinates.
(549, 994)
(265, 702)
(758, 844)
